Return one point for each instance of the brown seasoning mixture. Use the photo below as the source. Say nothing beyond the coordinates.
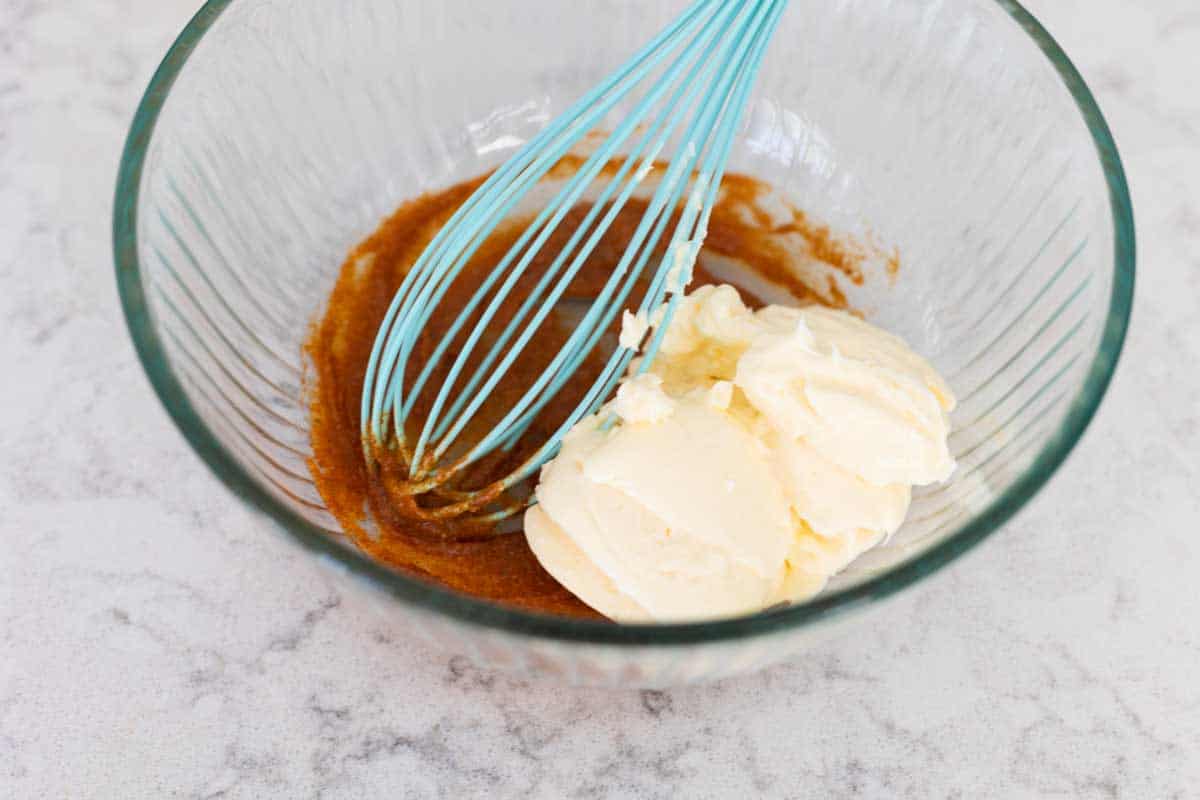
(458, 554)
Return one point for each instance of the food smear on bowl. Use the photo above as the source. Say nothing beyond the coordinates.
(765, 250)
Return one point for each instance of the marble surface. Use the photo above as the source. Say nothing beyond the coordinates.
(156, 642)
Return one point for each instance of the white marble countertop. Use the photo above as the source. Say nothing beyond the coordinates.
(155, 642)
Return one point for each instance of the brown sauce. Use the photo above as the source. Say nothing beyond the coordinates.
(470, 557)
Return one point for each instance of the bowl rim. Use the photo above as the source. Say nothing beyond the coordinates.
(481, 613)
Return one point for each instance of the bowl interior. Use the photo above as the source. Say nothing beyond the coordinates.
(940, 130)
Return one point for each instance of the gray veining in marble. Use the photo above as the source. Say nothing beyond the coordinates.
(155, 642)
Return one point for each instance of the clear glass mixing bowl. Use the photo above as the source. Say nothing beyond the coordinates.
(277, 135)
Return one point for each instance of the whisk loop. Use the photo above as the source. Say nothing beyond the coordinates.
(706, 63)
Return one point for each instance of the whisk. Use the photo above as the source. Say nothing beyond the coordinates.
(687, 88)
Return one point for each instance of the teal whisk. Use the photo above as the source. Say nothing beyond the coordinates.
(687, 89)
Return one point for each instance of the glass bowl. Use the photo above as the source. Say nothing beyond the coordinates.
(274, 136)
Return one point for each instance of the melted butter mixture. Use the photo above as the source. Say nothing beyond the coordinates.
(768, 243)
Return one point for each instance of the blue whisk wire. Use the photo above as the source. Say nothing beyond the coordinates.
(708, 59)
(386, 348)
(595, 163)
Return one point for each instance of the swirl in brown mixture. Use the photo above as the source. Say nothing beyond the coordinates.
(460, 555)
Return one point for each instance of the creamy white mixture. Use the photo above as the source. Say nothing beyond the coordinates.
(759, 454)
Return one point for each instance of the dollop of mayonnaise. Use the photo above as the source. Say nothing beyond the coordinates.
(759, 454)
